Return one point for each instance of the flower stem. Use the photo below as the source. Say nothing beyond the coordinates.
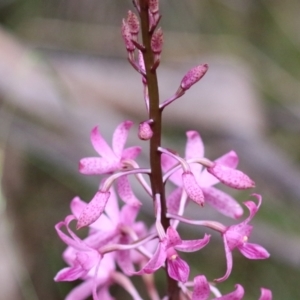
(155, 113)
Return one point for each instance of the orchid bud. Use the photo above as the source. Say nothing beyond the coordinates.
(192, 188)
(145, 131)
(127, 37)
(153, 6)
(231, 177)
(133, 23)
(157, 41)
(193, 76)
(93, 210)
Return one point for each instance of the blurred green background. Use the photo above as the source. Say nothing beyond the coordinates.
(63, 70)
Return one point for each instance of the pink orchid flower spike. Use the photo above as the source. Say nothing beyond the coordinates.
(236, 236)
(110, 159)
(219, 200)
(202, 290)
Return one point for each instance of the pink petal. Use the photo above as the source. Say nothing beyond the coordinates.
(103, 293)
(124, 258)
(168, 162)
(193, 245)
(253, 208)
(88, 259)
(266, 294)
(201, 288)
(156, 261)
(231, 177)
(77, 205)
(120, 136)
(72, 241)
(173, 237)
(222, 202)
(238, 294)
(125, 192)
(192, 188)
(93, 210)
(70, 274)
(131, 152)
(101, 238)
(194, 146)
(97, 165)
(178, 269)
(81, 291)
(112, 208)
(128, 214)
(100, 145)
(173, 200)
(254, 251)
(228, 255)
(229, 159)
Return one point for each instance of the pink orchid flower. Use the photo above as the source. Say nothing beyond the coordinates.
(221, 201)
(111, 158)
(85, 263)
(236, 236)
(177, 268)
(114, 226)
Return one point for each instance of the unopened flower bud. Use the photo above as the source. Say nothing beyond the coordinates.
(192, 188)
(157, 41)
(193, 76)
(133, 23)
(145, 131)
(231, 177)
(127, 37)
(153, 6)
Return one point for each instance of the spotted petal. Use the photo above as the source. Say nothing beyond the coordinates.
(120, 136)
(93, 210)
(222, 202)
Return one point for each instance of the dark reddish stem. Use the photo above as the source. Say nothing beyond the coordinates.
(156, 115)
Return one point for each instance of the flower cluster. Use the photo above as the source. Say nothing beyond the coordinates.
(118, 245)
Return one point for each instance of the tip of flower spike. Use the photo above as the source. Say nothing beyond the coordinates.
(193, 76)
(231, 177)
